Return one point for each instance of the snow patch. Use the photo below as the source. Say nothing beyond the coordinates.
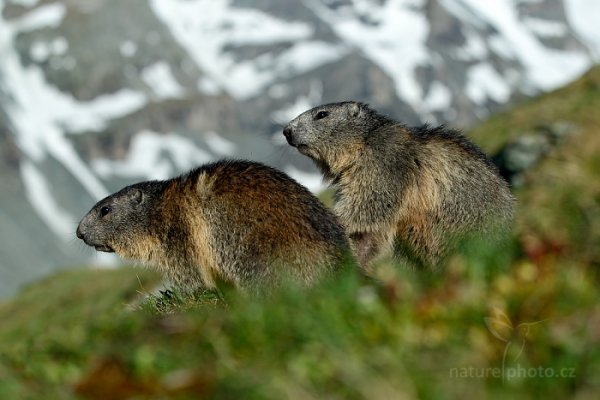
(439, 97)
(546, 68)
(300, 104)
(484, 82)
(285, 115)
(25, 3)
(39, 194)
(40, 108)
(46, 16)
(219, 145)
(305, 56)
(460, 10)
(93, 115)
(128, 48)
(105, 260)
(41, 113)
(583, 16)
(41, 51)
(394, 38)
(545, 27)
(208, 86)
(501, 47)
(160, 78)
(206, 28)
(474, 48)
(312, 181)
(154, 156)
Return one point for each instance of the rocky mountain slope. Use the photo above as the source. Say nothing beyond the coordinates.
(95, 94)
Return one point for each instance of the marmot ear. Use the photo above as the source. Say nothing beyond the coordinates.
(136, 195)
(353, 109)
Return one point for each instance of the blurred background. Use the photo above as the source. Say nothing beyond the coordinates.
(97, 94)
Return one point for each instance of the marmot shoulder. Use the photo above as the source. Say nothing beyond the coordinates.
(240, 222)
(414, 191)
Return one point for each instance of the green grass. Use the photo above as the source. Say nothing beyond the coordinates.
(100, 334)
(412, 335)
(560, 202)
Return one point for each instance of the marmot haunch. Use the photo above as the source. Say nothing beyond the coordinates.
(238, 222)
(411, 190)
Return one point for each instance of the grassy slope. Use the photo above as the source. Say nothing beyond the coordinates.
(73, 335)
(560, 206)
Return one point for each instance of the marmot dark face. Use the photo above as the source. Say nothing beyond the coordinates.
(120, 215)
(330, 133)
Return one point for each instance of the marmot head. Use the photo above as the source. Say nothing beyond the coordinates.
(119, 222)
(330, 133)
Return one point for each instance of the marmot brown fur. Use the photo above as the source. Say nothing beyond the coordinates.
(239, 222)
(413, 191)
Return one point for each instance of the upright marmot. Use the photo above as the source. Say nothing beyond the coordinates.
(415, 191)
(234, 221)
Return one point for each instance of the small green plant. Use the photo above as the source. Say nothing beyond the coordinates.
(174, 299)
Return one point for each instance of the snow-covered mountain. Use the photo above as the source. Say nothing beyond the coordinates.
(95, 94)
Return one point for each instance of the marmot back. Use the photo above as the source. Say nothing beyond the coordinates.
(413, 191)
(235, 221)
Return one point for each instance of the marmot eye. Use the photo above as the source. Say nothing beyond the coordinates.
(104, 211)
(321, 114)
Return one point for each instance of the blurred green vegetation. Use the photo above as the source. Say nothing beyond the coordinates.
(519, 319)
(559, 203)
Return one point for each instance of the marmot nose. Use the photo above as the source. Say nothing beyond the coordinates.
(78, 233)
(287, 132)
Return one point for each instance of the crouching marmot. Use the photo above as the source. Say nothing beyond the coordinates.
(239, 222)
(413, 191)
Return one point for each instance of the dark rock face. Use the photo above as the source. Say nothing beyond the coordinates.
(97, 94)
(523, 153)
